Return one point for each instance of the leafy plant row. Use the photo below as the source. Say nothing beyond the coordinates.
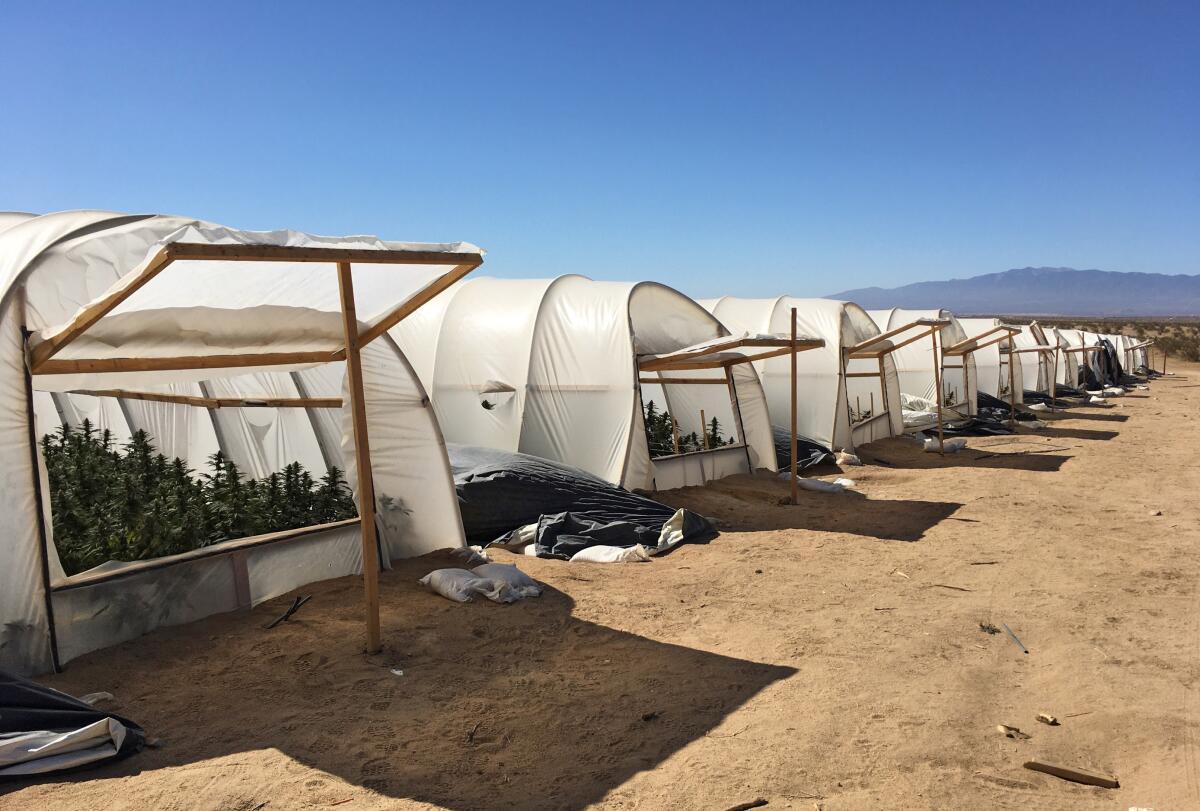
(132, 503)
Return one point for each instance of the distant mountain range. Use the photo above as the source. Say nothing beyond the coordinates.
(1043, 291)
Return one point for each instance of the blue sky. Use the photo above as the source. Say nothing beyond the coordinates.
(723, 148)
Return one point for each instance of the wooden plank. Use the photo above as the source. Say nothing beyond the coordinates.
(684, 381)
(941, 395)
(931, 323)
(196, 251)
(52, 344)
(215, 402)
(391, 319)
(677, 360)
(362, 453)
(1074, 775)
(107, 365)
(864, 374)
(795, 396)
(84, 580)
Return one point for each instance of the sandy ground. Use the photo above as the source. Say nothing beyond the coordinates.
(826, 656)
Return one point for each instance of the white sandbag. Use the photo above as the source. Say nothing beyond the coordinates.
(949, 446)
(1036, 425)
(530, 551)
(844, 458)
(1114, 391)
(461, 586)
(1038, 407)
(819, 486)
(611, 554)
(470, 555)
(1097, 401)
(521, 584)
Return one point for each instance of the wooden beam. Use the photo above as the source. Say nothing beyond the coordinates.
(215, 402)
(391, 319)
(109, 365)
(52, 344)
(678, 360)
(794, 480)
(941, 395)
(932, 324)
(864, 374)
(683, 381)
(85, 579)
(197, 251)
(362, 453)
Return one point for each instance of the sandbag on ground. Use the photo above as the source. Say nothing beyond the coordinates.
(560, 509)
(43, 731)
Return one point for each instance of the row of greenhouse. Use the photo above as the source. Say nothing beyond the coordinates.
(394, 361)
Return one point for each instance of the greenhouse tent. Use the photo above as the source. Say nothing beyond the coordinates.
(993, 343)
(1038, 358)
(266, 335)
(549, 367)
(842, 402)
(916, 362)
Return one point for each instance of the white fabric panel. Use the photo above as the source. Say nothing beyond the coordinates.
(987, 360)
(104, 413)
(24, 631)
(639, 471)
(175, 430)
(263, 441)
(326, 380)
(11, 218)
(104, 614)
(90, 266)
(581, 378)
(486, 338)
(277, 568)
(43, 751)
(756, 417)
(415, 501)
(697, 469)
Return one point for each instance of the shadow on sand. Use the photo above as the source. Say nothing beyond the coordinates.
(908, 456)
(762, 503)
(1077, 433)
(519, 706)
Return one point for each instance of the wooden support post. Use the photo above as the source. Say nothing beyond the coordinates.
(883, 394)
(366, 487)
(795, 479)
(1054, 377)
(675, 433)
(1012, 388)
(937, 383)
(703, 429)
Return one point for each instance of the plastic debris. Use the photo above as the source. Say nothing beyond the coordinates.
(1012, 732)
(1047, 719)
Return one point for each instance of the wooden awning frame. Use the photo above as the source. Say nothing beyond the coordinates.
(265, 401)
(41, 360)
(701, 358)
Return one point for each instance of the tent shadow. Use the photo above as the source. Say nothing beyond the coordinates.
(1077, 433)
(762, 503)
(516, 706)
(909, 456)
(1080, 415)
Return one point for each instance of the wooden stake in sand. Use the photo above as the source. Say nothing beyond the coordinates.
(1074, 775)
(795, 479)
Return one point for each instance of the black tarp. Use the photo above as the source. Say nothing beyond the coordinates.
(26, 706)
(808, 453)
(500, 491)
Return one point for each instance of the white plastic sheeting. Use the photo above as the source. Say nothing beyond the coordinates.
(53, 266)
(1036, 368)
(549, 368)
(837, 411)
(915, 362)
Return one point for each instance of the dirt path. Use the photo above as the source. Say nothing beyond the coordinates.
(825, 655)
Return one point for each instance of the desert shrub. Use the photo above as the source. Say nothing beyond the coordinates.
(132, 503)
